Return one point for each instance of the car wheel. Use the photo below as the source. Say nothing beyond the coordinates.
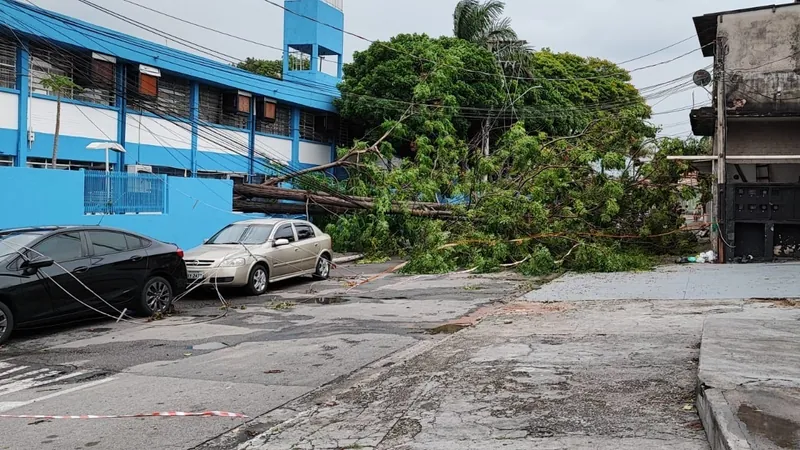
(156, 296)
(323, 268)
(259, 280)
(6, 322)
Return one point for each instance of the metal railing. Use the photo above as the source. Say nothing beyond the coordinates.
(338, 4)
(124, 193)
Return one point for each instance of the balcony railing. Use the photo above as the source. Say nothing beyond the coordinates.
(338, 4)
(124, 193)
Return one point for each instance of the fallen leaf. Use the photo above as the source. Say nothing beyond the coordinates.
(688, 407)
(187, 354)
(273, 371)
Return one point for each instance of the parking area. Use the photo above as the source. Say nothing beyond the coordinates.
(250, 358)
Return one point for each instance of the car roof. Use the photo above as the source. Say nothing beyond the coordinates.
(54, 228)
(270, 221)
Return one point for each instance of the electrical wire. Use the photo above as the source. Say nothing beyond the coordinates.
(371, 41)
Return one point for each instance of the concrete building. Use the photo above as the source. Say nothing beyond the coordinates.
(175, 114)
(755, 124)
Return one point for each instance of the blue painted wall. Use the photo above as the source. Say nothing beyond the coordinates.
(196, 208)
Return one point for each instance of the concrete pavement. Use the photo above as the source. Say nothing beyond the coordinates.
(264, 352)
(749, 380)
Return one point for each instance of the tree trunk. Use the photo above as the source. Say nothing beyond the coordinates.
(57, 131)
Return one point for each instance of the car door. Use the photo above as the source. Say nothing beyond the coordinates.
(284, 259)
(118, 266)
(47, 291)
(309, 246)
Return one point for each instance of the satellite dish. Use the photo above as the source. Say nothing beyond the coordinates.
(702, 78)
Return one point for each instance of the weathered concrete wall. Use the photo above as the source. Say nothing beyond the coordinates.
(763, 137)
(763, 60)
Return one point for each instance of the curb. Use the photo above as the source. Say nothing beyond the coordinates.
(347, 259)
(722, 428)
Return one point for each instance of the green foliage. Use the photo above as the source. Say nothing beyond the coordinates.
(575, 181)
(272, 68)
(59, 84)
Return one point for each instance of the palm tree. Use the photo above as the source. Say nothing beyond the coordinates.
(483, 24)
(59, 85)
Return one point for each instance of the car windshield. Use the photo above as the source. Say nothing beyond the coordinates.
(242, 234)
(12, 243)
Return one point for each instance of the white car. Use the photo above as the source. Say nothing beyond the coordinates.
(254, 253)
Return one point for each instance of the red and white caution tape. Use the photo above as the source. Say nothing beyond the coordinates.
(127, 416)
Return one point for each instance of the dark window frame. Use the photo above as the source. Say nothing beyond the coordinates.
(293, 238)
(92, 252)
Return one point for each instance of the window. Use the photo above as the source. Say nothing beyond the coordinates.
(107, 243)
(8, 63)
(96, 82)
(285, 232)
(256, 234)
(281, 126)
(304, 232)
(212, 111)
(306, 125)
(61, 247)
(167, 95)
(134, 243)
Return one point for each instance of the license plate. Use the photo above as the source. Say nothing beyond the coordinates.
(195, 275)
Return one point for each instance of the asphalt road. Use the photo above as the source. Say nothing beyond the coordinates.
(253, 358)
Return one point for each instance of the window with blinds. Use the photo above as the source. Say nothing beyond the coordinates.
(281, 126)
(212, 111)
(96, 81)
(173, 96)
(8, 63)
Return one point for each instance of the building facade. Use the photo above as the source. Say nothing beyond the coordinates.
(755, 123)
(175, 115)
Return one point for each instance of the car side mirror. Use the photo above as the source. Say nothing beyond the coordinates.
(281, 242)
(39, 263)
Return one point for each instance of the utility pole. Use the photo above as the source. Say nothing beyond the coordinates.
(485, 135)
(720, 145)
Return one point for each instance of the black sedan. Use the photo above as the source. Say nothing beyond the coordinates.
(59, 274)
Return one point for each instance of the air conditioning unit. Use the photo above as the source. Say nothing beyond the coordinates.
(138, 168)
(236, 102)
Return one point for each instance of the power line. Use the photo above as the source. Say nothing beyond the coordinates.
(371, 41)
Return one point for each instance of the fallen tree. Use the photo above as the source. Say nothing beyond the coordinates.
(249, 192)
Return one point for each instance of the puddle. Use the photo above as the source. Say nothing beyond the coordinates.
(324, 301)
(449, 328)
(779, 431)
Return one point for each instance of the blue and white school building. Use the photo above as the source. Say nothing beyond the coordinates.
(182, 128)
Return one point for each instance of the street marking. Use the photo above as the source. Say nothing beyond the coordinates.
(7, 406)
(22, 375)
(37, 381)
(15, 369)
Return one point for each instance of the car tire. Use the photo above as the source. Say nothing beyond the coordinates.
(6, 322)
(323, 270)
(258, 282)
(156, 296)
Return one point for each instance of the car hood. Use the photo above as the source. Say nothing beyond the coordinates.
(216, 252)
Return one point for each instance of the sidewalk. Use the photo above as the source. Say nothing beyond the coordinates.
(749, 380)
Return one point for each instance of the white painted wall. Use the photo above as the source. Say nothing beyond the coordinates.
(273, 148)
(79, 121)
(8, 111)
(314, 153)
(218, 140)
(157, 132)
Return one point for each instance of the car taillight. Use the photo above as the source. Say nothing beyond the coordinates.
(180, 253)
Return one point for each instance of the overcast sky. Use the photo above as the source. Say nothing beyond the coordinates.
(617, 30)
